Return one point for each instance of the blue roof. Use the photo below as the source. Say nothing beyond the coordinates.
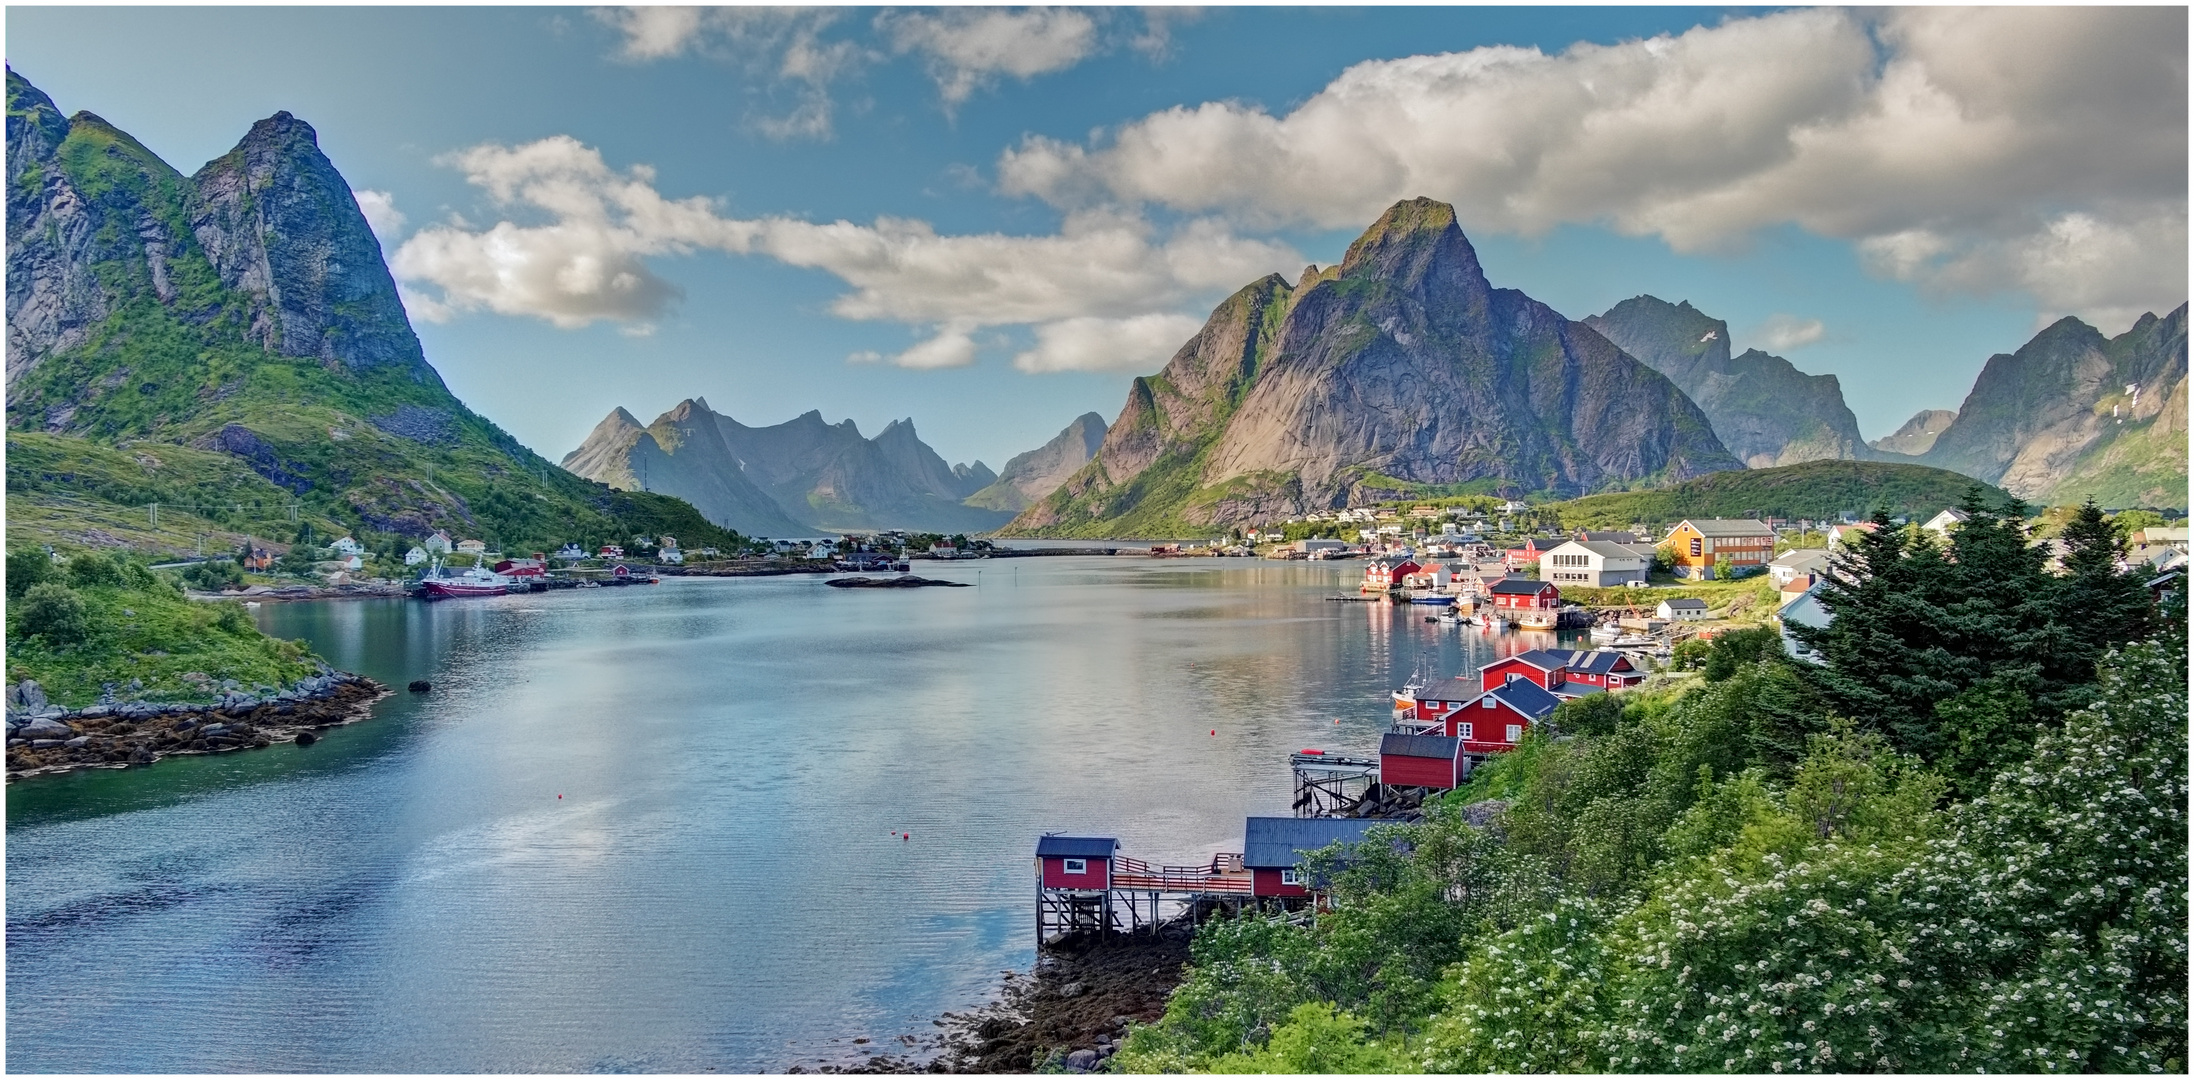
(1281, 842)
(1076, 847)
(1525, 697)
(1596, 662)
(1517, 587)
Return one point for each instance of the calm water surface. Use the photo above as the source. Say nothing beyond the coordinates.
(657, 829)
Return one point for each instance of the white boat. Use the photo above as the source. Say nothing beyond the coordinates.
(1406, 697)
(475, 581)
(1606, 633)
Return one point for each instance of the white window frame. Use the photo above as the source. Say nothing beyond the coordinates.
(1515, 733)
(1291, 876)
(1464, 730)
(1074, 866)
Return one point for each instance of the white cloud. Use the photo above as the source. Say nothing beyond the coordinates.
(968, 48)
(1087, 343)
(382, 216)
(1782, 333)
(587, 261)
(784, 45)
(2039, 149)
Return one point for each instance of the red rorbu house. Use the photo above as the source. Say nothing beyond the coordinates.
(1273, 849)
(1384, 574)
(1075, 862)
(1433, 761)
(1528, 555)
(1566, 673)
(521, 568)
(1498, 718)
(1530, 604)
(1441, 698)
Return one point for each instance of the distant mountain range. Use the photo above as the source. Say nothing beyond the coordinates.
(1762, 407)
(805, 476)
(1917, 434)
(1399, 371)
(244, 311)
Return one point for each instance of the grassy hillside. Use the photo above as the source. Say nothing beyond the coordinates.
(71, 492)
(1812, 489)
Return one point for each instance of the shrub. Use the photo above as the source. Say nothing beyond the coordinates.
(54, 612)
(91, 568)
(27, 567)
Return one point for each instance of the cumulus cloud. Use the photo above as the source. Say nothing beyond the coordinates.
(2039, 149)
(382, 216)
(1782, 333)
(585, 260)
(968, 48)
(1088, 343)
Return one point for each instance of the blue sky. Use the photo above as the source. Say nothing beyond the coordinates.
(604, 208)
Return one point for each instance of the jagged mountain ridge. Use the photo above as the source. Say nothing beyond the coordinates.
(247, 310)
(1916, 435)
(1762, 407)
(1033, 474)
(1399, 370)
(2072, 413)
(802, 477)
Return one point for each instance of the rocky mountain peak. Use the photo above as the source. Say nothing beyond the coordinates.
(280, 223)
(35, 126)
(1418, 246)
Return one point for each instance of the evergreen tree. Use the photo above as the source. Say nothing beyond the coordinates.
(2097, 606)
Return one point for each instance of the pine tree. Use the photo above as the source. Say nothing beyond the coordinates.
(2097, 605)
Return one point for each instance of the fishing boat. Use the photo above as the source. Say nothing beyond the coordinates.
(1606, 633)
(1406, 697)
(476, 581)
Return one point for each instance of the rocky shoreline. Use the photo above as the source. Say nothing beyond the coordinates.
(1067, 1015)
(44, 739)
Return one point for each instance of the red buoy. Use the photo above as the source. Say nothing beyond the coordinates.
(1214, 731)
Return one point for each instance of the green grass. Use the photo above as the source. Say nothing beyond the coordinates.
(142, 628)
(1812, 489)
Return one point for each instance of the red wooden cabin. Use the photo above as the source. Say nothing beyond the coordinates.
(1383, 574)
(1434, 761)
(1500, 716)
(1545, 667)
(1441, 698)
(1075, 862)
(1515, 594)
(1273, 849)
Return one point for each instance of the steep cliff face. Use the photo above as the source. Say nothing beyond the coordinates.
(1918, 434)
(1031, 475)
(798, 478)
(2073, 410)
(1762, 407)
(247, 311)
(320, 288)
(1399, 370)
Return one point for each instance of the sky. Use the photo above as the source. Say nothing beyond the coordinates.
(990, 220)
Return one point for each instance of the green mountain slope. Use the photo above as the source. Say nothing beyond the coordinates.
(246, 311)
(1400, 369)
(2073, 413)
(1812, 489)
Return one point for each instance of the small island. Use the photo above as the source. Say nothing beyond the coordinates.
(904, 581)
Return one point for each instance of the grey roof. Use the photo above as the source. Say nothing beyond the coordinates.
(1608, 549)
(1281, 842)
(1076, 847)
(1424, 746)
(1543, 659)
(1685, 603)
(1518, 587)
(1729, 527)
(1625, 538)
(1450, 690)
(1799, 558)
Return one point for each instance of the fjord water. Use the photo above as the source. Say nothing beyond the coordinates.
(659, 829)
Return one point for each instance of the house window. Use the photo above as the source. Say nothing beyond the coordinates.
(1077, 866)
(1515, 732)
(1465, 731)
(1488, 701)
(1291, 877)
(1695, 547)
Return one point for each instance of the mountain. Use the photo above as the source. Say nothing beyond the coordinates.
(1398, 371)
(798, 478)
(246, 310)
(1917, 435)
(1817, 490)
(2072, 413)
(1030, 476)
(1762, 407)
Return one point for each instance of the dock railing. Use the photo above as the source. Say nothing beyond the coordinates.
(1224, 874)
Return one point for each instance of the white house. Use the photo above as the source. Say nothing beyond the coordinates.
(1514, 507)
(1308, 546)
(1594, 563)
(571, 553)
(1791, 565)
(415, 556)
(473, 547)
(1942, 523)
(345, 547)
(439, 543)
(1683, 609)
(1848, 534)
(353, 562)
(1805, 610)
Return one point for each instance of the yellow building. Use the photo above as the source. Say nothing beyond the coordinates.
(1696, 546)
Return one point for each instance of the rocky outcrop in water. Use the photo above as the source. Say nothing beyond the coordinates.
(1399, 371)
(44, 738)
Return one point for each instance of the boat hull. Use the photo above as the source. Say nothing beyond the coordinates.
(455, 589)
